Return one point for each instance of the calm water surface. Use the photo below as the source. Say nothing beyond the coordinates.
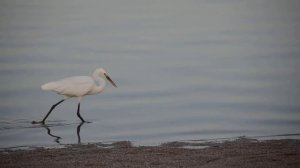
(185, 70)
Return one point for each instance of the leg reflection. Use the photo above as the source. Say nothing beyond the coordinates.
(78, 133)
(57, 138)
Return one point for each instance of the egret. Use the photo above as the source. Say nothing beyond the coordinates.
(77, 86)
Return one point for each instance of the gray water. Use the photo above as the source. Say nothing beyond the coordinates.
(185, 70)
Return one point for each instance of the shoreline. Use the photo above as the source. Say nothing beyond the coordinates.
(242, 152)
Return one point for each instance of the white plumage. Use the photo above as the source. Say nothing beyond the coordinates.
(77, 86)
(71, 87)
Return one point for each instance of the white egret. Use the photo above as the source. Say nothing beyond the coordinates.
(77, 86)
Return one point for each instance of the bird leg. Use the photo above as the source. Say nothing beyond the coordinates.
(78, 113)
(53, 106)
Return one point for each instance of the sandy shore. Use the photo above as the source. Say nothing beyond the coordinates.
(239, 153)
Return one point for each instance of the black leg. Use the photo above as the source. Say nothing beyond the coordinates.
(43, 121)
(78, 113)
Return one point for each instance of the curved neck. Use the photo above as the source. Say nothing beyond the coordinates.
(99, 86)
(100, 81)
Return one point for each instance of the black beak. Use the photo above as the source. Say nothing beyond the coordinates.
(111, 81)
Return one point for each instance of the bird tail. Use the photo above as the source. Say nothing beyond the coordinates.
(49, 86)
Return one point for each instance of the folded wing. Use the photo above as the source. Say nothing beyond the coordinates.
(71, 87)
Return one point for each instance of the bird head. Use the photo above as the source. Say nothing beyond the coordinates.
(102, 73)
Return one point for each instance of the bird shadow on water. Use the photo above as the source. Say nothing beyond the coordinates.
(58, 138)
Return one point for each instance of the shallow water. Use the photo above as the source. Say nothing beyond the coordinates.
(185, 70)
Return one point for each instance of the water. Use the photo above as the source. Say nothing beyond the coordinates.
(185, 70)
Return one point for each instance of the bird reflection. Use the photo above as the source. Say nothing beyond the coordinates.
(78, 133)
(58, 138)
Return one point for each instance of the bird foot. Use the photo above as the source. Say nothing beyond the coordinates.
(38, 122)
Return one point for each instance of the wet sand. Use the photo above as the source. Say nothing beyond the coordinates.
(242, 153)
